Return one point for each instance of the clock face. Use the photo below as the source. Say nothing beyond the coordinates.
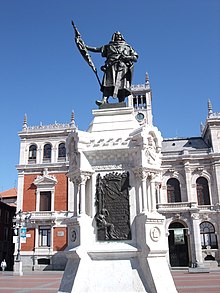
(140, 116)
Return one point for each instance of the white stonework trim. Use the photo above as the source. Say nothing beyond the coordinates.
(20, 191)
(70, 195)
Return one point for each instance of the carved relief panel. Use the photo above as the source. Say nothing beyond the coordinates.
(113, 210)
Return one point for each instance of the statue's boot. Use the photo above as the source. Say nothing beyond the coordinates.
(103, 101)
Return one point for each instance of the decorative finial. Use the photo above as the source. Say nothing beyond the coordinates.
(147, 81)
(72, 120)
(25, 122)
(201, 127)
(209, 107)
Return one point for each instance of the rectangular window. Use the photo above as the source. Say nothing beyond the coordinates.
(44, 236)
(45, 201)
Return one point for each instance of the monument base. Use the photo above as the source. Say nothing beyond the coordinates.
(110, 267)
(116, 267)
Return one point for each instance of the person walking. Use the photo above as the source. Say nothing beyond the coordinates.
(3, 265)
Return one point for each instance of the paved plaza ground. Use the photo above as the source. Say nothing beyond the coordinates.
(48, 282)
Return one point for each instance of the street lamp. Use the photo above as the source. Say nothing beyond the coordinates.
(19, 217)
(18, 220)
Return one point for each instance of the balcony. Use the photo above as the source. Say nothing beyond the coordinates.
(185, 206)
(50, 215)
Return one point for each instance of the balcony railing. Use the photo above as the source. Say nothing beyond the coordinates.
(50, 215)
(183, 206)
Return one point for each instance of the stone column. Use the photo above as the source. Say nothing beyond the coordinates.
(54, 154)
(196, 244)
(141, 175)
(188, 181)
(216, 177)
(36, 236)
(144, 193)
(39, 158)
(158, 187)
(152, 192)
(83, 194)
(76, 182)
(139, 188)
(70, 196)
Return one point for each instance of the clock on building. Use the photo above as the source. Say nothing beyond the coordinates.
(139, 117)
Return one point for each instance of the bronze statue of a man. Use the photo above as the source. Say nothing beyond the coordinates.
(118, 68)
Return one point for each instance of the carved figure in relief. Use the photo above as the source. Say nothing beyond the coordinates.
(112, 201)
(74, 154)
(103, 223)
(151, 150)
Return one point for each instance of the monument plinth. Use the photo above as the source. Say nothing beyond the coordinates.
(117, 240)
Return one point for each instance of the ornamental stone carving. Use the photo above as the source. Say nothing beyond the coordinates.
(155, 234)
(195, 216)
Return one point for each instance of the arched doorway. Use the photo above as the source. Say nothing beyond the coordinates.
(178, 245)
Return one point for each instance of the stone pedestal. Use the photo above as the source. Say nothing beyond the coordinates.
(18, 268)
(116, 238)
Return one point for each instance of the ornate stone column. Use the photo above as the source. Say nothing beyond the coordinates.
(152, 177)
(196, 245)
(188, 181)
(79, 181)
(39, 158)
(70, 195)
(142, 175)
(76, 181)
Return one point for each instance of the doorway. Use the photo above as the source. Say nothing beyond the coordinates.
(178, 245)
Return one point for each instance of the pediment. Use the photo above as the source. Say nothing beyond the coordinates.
(45, 180)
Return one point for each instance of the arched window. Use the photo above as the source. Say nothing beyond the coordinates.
(173, 190)
(47, 152)
(32, 152)
(61, 151)
(202, 189)
(208, 236)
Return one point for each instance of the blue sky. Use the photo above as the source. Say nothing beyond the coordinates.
(43, 75)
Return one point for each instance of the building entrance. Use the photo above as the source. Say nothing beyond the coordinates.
(178, 245)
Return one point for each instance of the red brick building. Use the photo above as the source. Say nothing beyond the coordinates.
(44, 194)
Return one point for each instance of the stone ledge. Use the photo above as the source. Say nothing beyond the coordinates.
(198, 270)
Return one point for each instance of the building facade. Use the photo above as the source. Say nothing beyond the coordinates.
(7, 213)
(188, 194)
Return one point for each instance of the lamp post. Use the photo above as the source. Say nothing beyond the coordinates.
(19, 219)
(18, 256)
(18, 262)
